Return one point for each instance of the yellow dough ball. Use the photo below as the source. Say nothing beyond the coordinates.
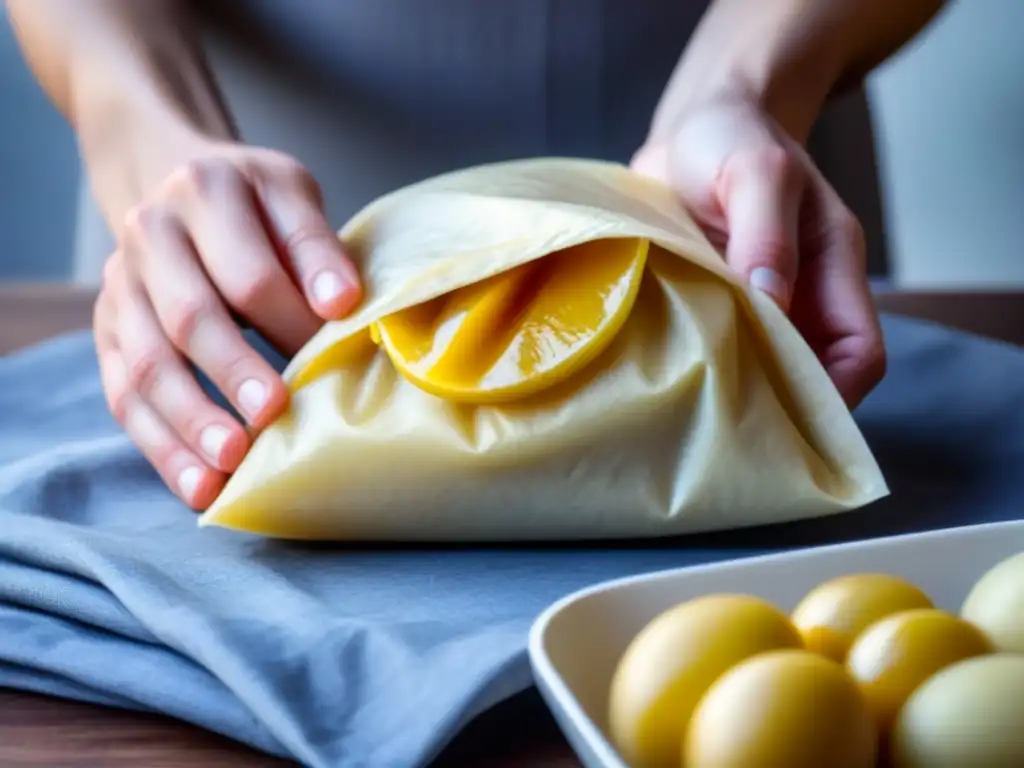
(996, 604)
(969, 715)
(892, 657)
(834, 613)
(675, 659)
(783, 709)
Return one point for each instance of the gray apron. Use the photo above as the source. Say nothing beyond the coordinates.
(374, 94)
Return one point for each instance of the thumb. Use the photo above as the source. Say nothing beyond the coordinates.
(760, 192)
(651, 160)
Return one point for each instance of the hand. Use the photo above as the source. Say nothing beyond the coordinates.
(236, 231)
(782, 227)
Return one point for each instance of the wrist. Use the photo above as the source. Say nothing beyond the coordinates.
(788, 73)
(138, 118)
(794, 90)
(128, 153)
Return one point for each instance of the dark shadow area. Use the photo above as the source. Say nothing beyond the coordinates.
(519, 731)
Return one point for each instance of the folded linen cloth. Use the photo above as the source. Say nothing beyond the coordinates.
(378, 656)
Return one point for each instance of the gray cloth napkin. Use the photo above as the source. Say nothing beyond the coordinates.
(378, 656)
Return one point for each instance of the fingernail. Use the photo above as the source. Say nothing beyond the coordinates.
(188, 482)
(327, 287)
(252, 396)
(212, 441)
(769, 281)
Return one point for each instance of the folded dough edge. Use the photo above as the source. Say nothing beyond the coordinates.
(454, 230)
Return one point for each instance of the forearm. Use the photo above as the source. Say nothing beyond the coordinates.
(131, 78)
(790, 54)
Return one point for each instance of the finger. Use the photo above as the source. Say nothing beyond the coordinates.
(181, 470)
(159, 377)
(760, 192)
(194, 318)
(294, 208)
(838, 315)
(228, 232)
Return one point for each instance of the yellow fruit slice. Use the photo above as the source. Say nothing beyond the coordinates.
(892, 657)
(835, 612)
(789, 708)
(674, 660)
(343, 353)
(521, 331)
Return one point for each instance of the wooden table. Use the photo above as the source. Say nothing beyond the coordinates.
(38, 731)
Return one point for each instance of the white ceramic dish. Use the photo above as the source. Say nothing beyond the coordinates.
(576, 643)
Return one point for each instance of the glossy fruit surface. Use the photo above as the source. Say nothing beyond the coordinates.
(520, 331)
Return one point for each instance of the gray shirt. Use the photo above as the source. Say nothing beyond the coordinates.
(375, 94)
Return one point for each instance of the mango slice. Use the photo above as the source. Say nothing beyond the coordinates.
(521, 331)
(341, 354)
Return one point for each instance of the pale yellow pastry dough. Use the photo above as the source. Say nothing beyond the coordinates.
(707, 411)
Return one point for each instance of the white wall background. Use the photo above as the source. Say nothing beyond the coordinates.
(950, 114)
(950, 117)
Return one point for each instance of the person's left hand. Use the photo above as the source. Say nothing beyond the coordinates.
(781, 226)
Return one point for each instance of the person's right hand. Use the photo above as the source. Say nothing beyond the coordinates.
(236, 231)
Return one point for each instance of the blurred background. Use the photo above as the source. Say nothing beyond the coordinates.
(949, 114)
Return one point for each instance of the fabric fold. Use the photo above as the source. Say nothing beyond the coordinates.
(378, 655)
(61, 657)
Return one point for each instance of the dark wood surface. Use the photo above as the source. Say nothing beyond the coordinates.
(38, 731)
